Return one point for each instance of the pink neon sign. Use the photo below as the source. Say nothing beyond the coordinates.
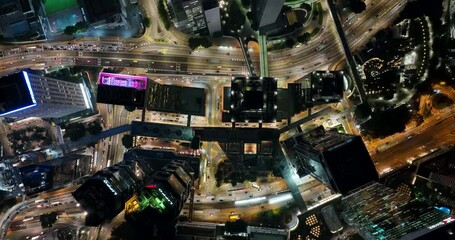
(122, 80)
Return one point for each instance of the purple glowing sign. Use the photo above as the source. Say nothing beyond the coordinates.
(121, 80)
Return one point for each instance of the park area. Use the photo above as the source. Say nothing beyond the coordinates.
(62, 13)
(55, 6)
(58, 22)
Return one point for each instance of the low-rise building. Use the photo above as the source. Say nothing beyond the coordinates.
(197, 17)
(18, 20)
(104, 13)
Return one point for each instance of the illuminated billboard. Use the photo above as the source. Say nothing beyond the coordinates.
(121, 80)
(121, 89)
(151, 196)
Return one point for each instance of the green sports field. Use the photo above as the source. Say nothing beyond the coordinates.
(55, 6)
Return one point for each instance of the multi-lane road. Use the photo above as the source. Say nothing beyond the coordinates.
(169, 58)
(437, 131)
(163, 57)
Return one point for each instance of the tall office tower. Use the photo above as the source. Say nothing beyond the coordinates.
(267, 11)
(340, 161)
(319, 87)
(104, 195)
(24, 95)
(379, 212)
(327, 86)
(163, 196)
(253, 99)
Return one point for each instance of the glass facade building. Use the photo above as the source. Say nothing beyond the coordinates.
(28, 95)
(379, 212)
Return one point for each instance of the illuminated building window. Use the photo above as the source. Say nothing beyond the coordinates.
(250, 148)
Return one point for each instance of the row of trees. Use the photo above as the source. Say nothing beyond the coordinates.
(127, 141)
(48, 219)
(226, 174)
(440, 101)
(246, 3)
(27, 139)
(75, 131)
(236, 18)
(251, 15)
(164, 16)
(240, 177)
(304, 38)
(195, 42)
(24, 134)
(79, 27)
(146, 21)
(130, 108)
(357, 6)
(386, 123)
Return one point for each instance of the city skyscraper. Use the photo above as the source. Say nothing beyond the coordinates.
(24, 95)
(104, 194)
(340, 161)
(253, 99)
(379, 212)
(267, 11)
(163, 196)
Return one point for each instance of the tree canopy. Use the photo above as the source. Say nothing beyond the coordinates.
(78, 27)
(357, 6)
(386, 123)
(304, 38)
(75, 131)
(70, 30)
(147, 22)
(362, 111)
(130, 108)
(441, 100)
(289, 43)
(81, 26)
(195, 42)
(127, 141)
(95, 128)
(246, 3)
(48, 219)
(164, 14)
(238, 226)
(236, 17)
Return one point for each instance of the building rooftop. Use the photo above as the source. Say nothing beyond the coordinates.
(19, 28)
(120, 95)
(327, 86)
(340, 161)
(379, 212)
(252, 100)
(101, 9)
(25, 5)
(179, 99)
(321, 140)
(15, 93)
(8, 6)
